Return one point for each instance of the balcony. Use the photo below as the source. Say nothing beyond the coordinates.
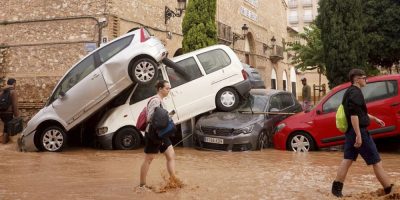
(307, 3)
(224, 34)
(276, 54)
(294, 19)
(292, 3)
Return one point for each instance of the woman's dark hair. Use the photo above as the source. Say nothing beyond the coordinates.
(355, 72)
(160, 84)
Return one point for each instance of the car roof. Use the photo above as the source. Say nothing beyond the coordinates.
(370, 79)
(267, 92)
(199, 51)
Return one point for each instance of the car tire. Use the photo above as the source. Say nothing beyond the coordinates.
(227, 99)
(144, 71)
(262, 141)
(53, 139)
(300, 142)
(126, 139)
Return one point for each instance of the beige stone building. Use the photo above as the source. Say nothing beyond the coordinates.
(41, 39)
(301, 13)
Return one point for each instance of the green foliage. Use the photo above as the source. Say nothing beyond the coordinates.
(198, 26)
(308, 56)
(344, 43)
(383, 31)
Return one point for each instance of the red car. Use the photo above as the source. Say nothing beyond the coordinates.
(317, 128)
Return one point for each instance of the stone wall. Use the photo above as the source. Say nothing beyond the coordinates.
(43, 40)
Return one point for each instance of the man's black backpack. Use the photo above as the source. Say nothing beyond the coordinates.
(5, 100)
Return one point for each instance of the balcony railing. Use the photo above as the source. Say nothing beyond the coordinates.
(224, 34)
(276, 54)
(307, 3)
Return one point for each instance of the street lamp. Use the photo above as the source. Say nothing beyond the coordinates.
(237, 37)
(266, 46)
(168, 13)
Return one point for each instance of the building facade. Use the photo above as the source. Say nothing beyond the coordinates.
(41, 40)
(301, 13)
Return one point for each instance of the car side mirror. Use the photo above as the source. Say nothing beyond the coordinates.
(319, 112)
(61, 95)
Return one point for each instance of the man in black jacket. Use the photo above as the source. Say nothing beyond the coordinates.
(12, 111)
(357, 138)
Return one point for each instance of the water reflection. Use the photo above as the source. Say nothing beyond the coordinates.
(98, 174)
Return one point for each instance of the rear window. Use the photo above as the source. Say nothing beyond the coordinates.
(379, 90)
(214, 60)
(110, 50)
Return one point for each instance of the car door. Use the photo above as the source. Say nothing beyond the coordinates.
(382, 102)
(81, 89)
(190, 95)
(219, 70)
(324, 123)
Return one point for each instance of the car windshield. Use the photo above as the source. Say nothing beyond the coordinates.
(255, 103)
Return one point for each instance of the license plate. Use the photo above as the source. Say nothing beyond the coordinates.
(213, 140)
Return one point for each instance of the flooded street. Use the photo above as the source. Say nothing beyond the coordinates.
(84, 173)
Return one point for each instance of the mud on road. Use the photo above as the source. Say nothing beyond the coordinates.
(84, 173)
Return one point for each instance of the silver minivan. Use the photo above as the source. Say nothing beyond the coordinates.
(90, 84)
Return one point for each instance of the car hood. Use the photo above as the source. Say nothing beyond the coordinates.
(229, 120)
(301, 117)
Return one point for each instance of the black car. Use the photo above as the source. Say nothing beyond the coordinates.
(249, 127)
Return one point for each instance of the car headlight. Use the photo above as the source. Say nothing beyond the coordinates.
(245, 130)
(279, 127)
(102, 131)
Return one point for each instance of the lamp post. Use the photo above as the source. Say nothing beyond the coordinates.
(237, 37)
(168, 13)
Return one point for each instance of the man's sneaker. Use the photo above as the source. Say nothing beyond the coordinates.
(337, 188)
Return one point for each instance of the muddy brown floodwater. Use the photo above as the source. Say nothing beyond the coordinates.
(83, 173)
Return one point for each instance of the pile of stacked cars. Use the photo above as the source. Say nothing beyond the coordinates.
(124, 71)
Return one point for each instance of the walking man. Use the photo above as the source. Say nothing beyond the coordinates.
(9, 106)
(357, 138)
(306, 94)
(155, 145)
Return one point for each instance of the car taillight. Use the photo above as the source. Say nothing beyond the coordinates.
(143, 36)
(244, 74)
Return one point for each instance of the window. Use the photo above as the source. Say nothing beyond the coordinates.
(333, 102)
(308, 16)
(286, 101)
(214, 60)
(292, 3)
(80, 71)
(189, 66)
(293, 16)
(144, 91)
(275, 103)
(110, 50)
(273, 84)
(284, 85)
(379, 90)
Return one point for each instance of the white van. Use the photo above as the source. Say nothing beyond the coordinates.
(214, 79)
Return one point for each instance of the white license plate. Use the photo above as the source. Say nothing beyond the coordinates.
(213, 140)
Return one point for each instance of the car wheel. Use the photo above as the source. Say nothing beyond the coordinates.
(144, 71)
(301, 142)
(227, 99)
(53, 139)
(126, 139)
(262, 141)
